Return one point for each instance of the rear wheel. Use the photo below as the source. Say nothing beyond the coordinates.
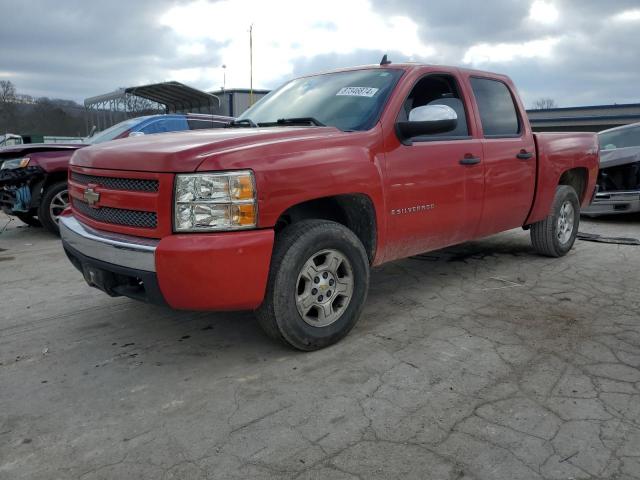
(28, 218)
(54, 200)
(555, 235)
(317, 285)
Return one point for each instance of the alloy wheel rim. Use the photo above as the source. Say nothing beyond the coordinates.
(59, 202)
(324, 288)
(565, 222)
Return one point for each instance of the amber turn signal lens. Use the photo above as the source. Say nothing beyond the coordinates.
(243, 215)
(241, 187)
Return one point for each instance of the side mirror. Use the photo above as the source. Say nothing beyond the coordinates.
(426, 120)
(135, 134)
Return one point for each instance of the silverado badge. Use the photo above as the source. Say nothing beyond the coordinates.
(413, 209)
(91, 196)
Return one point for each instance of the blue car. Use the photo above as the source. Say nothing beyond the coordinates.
(150, 124)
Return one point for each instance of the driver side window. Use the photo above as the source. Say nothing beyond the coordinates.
(163, 125)
(437, 89)
(154, 127)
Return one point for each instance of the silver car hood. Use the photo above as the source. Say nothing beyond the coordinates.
(619, 156)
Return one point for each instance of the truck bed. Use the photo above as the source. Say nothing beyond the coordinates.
(558, 153)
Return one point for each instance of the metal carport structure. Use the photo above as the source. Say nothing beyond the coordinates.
(167, 97)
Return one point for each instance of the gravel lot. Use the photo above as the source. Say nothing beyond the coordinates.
(481, 361)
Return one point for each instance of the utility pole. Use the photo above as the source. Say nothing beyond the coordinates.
(251, 64)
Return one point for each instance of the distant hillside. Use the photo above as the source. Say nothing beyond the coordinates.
(42, 116)
(46, 117)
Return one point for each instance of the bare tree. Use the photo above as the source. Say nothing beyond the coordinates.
(544, 103)
(27, 99)
(7, 91)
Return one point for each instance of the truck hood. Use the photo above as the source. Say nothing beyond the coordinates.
(185, 151)
(619, 156)
(26, 148)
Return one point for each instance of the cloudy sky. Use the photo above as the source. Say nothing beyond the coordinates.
(578, 52)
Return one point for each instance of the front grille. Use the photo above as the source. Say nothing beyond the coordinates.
(114, 183)
(117, 216)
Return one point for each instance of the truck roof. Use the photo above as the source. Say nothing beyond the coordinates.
(410, 66)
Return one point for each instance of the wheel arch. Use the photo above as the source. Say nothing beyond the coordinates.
(546, 186)
(39, 188)
(54, 177)
(356, 211)
(577, 178)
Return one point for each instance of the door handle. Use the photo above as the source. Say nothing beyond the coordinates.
(470, 161)
(524, 155)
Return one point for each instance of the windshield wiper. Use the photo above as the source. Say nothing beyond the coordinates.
(245, 122)
(300, 120)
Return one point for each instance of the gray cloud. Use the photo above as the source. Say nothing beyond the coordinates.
(75, 49)
(596, 60)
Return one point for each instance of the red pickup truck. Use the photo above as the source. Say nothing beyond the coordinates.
(285, 212)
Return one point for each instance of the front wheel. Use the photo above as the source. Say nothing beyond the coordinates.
(317, 285)
(555, 235)
(54, 200)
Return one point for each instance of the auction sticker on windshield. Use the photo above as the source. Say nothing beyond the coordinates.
(357, 91)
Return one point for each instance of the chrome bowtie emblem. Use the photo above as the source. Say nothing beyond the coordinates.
(91, 196)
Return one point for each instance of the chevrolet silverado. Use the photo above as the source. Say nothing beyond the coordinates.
(286, 211)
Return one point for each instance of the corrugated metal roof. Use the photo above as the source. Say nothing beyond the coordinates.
(175, 96)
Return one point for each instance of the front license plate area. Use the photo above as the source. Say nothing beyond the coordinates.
(98, 278)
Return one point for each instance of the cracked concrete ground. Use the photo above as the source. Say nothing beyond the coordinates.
(482, 361)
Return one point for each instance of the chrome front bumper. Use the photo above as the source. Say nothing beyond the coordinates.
(121, 250)
(607, 203)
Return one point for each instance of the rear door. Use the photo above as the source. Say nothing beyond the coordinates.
(509, 157)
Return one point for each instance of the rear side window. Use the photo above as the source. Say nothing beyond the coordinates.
(497, 111)
(198, 124)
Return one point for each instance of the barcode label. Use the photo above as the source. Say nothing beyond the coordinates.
(357, 92)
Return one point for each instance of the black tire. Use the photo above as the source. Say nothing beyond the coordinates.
(545, 235)
(295, 246)
(28, 218)
(44, 212)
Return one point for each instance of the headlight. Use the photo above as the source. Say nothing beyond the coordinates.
(215, 201)
(15, 163)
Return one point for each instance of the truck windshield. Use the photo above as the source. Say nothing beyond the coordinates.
(349, 100)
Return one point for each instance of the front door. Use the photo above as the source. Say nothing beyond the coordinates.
(434, 185)
(433, 200)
